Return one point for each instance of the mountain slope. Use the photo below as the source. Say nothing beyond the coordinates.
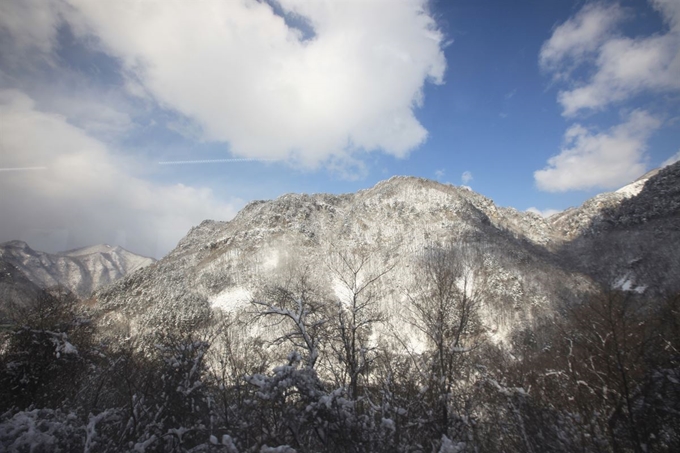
(574, 222)
(225, 263)
(16, 290)
(534, 264)
(633, 242)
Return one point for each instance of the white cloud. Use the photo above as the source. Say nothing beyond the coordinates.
(671, 160)
(246, 78)
(86, 193)
(466, 177)
(439, 174)
(543, 212)
(605, 160)
(579, 37)
(622, 66)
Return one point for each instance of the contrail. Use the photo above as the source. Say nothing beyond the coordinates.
(212, 161)
(22, 168)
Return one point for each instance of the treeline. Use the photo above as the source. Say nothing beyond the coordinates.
(303, 370)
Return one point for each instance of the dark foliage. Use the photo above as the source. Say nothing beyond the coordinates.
(603, 377)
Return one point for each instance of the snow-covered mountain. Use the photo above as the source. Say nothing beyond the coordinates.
(632, 240)
(574, 222)
(534, 264)
(82, 271)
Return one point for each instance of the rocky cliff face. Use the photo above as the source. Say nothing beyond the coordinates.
(82, 271)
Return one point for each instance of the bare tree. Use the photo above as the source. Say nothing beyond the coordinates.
(301, 309)
(608, 345)
(450, 287)
(356, 272)
(235, 353)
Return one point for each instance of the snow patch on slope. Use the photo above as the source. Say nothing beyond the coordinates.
(231, 299)
(632, 189)
(626, 283)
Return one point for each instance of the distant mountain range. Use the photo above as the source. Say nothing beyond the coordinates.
(24, 272)
(628, 239)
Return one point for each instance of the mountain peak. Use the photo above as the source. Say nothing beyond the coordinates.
(410, 181)
(88, 250)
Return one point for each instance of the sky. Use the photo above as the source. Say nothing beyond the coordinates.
(129, 122)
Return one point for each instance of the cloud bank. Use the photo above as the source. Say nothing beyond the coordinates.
(606, 159)
(79, 192)
(602, 68)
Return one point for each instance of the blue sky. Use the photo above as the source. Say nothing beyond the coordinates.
(534, 104)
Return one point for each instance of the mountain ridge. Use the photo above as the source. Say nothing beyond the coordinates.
(80, 270)
(223, 264)
(536, 262)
